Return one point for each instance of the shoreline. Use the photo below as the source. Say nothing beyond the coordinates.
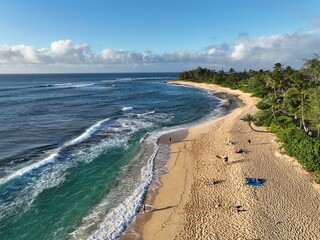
(165, 142)
(135, 229)
(187, 207)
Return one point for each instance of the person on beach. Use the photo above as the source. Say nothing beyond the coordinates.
(238, 208)
(225, 158)
(249, 141)
(170, 139)
(144, 208)
(240, 151)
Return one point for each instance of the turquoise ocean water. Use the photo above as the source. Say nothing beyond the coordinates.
(77, 150)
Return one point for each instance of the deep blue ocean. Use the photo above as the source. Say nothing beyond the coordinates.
(77, 151)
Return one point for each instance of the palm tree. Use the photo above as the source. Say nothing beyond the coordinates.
(232, 71)
(312, 68)
(276, 106)
(270, 82)
(293, 100)
(314, 113)
(278, 67)
(302, 109)
(275, 101)
(296, 101)
(250, 119)
(289, 75)
(276, 80)
(282, 77)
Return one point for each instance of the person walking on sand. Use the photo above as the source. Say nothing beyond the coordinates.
(240, 151)
(225, 158)
(249, 141)
(144, 208)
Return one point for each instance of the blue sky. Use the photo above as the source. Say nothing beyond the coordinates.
(154, 35)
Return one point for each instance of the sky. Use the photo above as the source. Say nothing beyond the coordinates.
(75, 36)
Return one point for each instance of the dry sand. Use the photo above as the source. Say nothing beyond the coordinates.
(186, 207)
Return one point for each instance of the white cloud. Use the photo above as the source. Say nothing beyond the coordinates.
(64, 51)
(109, 56)
(212, 51)
(244, 52)
(18, 54)
(239, 51)
(60, 52)
(289, 49)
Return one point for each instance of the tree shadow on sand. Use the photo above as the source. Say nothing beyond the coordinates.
(160, 209)
(239, 161)
(215, 182)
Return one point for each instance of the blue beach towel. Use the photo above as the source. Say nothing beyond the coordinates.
(257, 182)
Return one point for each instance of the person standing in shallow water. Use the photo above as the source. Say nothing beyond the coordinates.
(144, 208)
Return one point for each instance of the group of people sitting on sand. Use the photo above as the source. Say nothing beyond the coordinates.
(225, 158)
(240, 151)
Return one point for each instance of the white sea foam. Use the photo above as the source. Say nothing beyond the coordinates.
(144, 114)
(54, 174)
(112, 224)
(54, 153)
(51, 158)
(143, 78)
(67, 85)
(25, 197)
(87, 134)
(126, 108)
(77, 85)
(88, 155)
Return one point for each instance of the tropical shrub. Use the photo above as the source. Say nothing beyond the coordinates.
(263, 105)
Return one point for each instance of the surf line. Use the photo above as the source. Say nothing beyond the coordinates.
(50, 159)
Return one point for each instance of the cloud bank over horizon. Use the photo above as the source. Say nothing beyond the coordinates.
(243, 53)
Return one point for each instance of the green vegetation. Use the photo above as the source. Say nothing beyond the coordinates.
(289, 106)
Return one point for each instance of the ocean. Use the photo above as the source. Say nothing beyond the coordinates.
(77, 151)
